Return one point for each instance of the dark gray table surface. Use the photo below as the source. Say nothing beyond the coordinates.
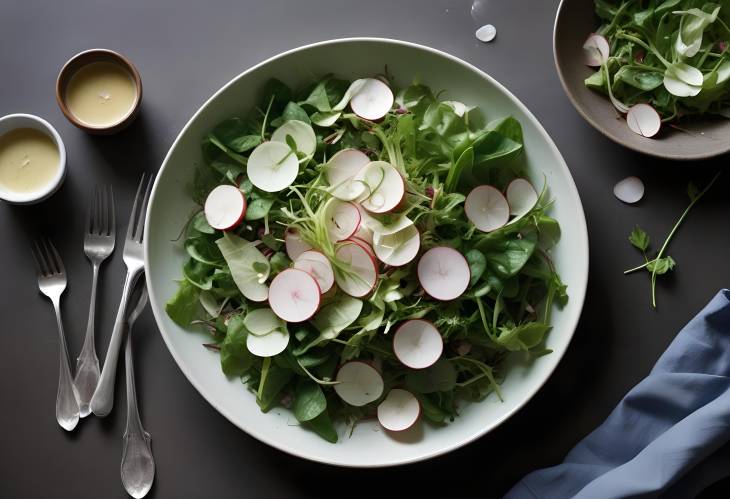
(187, 50)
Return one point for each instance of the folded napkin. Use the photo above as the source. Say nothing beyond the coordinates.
(668, 437)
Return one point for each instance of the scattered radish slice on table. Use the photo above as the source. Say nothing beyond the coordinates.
(318, 266)
(302, 134)
(398, 248)
(268, 345)
(521, 197)
(359, 383)
(443, 273)
(629, 190)
(644, 120)
(596, 50)
(225, 207)
(294, 295)
(272, 166)
(399, 411)
(487, 208)
(294, 244)
(262, 321)
(342, 219)
(372, 100)
(417, 343)
(361, 271)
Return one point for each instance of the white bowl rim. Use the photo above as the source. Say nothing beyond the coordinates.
(43, 193)
(570, 330)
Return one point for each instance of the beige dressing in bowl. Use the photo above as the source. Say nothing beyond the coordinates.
(101, 94)
(29, 160)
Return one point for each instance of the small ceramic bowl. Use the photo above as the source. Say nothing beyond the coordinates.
(699, 138)
(15, 121)
(87, 57)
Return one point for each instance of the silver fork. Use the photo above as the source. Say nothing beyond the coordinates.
(133, 256)
(98, 245)
(138, 464)
(52, 283)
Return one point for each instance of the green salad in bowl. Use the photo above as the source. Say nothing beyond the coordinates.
(365, 251)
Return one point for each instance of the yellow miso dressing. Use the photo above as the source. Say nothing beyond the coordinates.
(101, 94)
(29, 160)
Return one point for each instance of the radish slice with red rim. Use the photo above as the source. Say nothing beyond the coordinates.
(318, 266)
(294, 295)
(342, 219)
(388, 193)
(417, 344)
(302, 134)
(487, 208)
(399, 411)
(372, 99)
(359, 383)
(225, 207)
(443, 273)
(344, 165)
(364, 244)
(272, 166)
(629, 190)
(294, 244)
(361, 271)
(596, 50)
(644, 120)
(521, 197)
(351, 190)
(398, 248)
(363, 232)
(269, 344)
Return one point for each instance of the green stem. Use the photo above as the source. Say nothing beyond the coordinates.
(650, 46)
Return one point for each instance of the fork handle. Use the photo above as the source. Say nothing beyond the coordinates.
(87, 364)
(67, 406)
(103, 399)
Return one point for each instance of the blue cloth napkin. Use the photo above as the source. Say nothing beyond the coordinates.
(668, 437)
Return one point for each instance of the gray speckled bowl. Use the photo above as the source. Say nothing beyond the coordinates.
(700, 138)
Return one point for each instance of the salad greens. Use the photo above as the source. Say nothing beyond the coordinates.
(670, 54)
(663, 263)
(342, 218)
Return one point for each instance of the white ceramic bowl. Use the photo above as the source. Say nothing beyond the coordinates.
(352, 58)
(14, 121)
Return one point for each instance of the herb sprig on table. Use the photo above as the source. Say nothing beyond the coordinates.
(662, 263)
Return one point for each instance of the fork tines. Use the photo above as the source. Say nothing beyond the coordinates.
(135, 229)
(100, 220)
(47, 259)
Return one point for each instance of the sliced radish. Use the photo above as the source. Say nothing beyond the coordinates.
(629, 190)
(399, 411)
(365, 245)
(359, 383)
(372, 100)
(295, 246)
(294, 295)
(418, 344)
(342, 219)
(351, 190)
(361, 271)
(225, 207)
(377, 227)
(487, 208)
(364, 233)
(261, 321)
(644, 120)
(302, 134)
(596, 50)
(318, 266)
(344, 165)
(272, 166)
(521, 196)
(399, 248)
(444, 273)
(388, 193)
(269, 344)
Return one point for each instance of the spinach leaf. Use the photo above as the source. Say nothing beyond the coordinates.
(309, 401)
(440, 377)
(276, 379)
(322, 426)
(523, 336)
(235, 357)
(184, 306)
(477, 264)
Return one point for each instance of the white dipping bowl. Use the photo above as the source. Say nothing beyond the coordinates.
(170, 207)
(14, 121)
